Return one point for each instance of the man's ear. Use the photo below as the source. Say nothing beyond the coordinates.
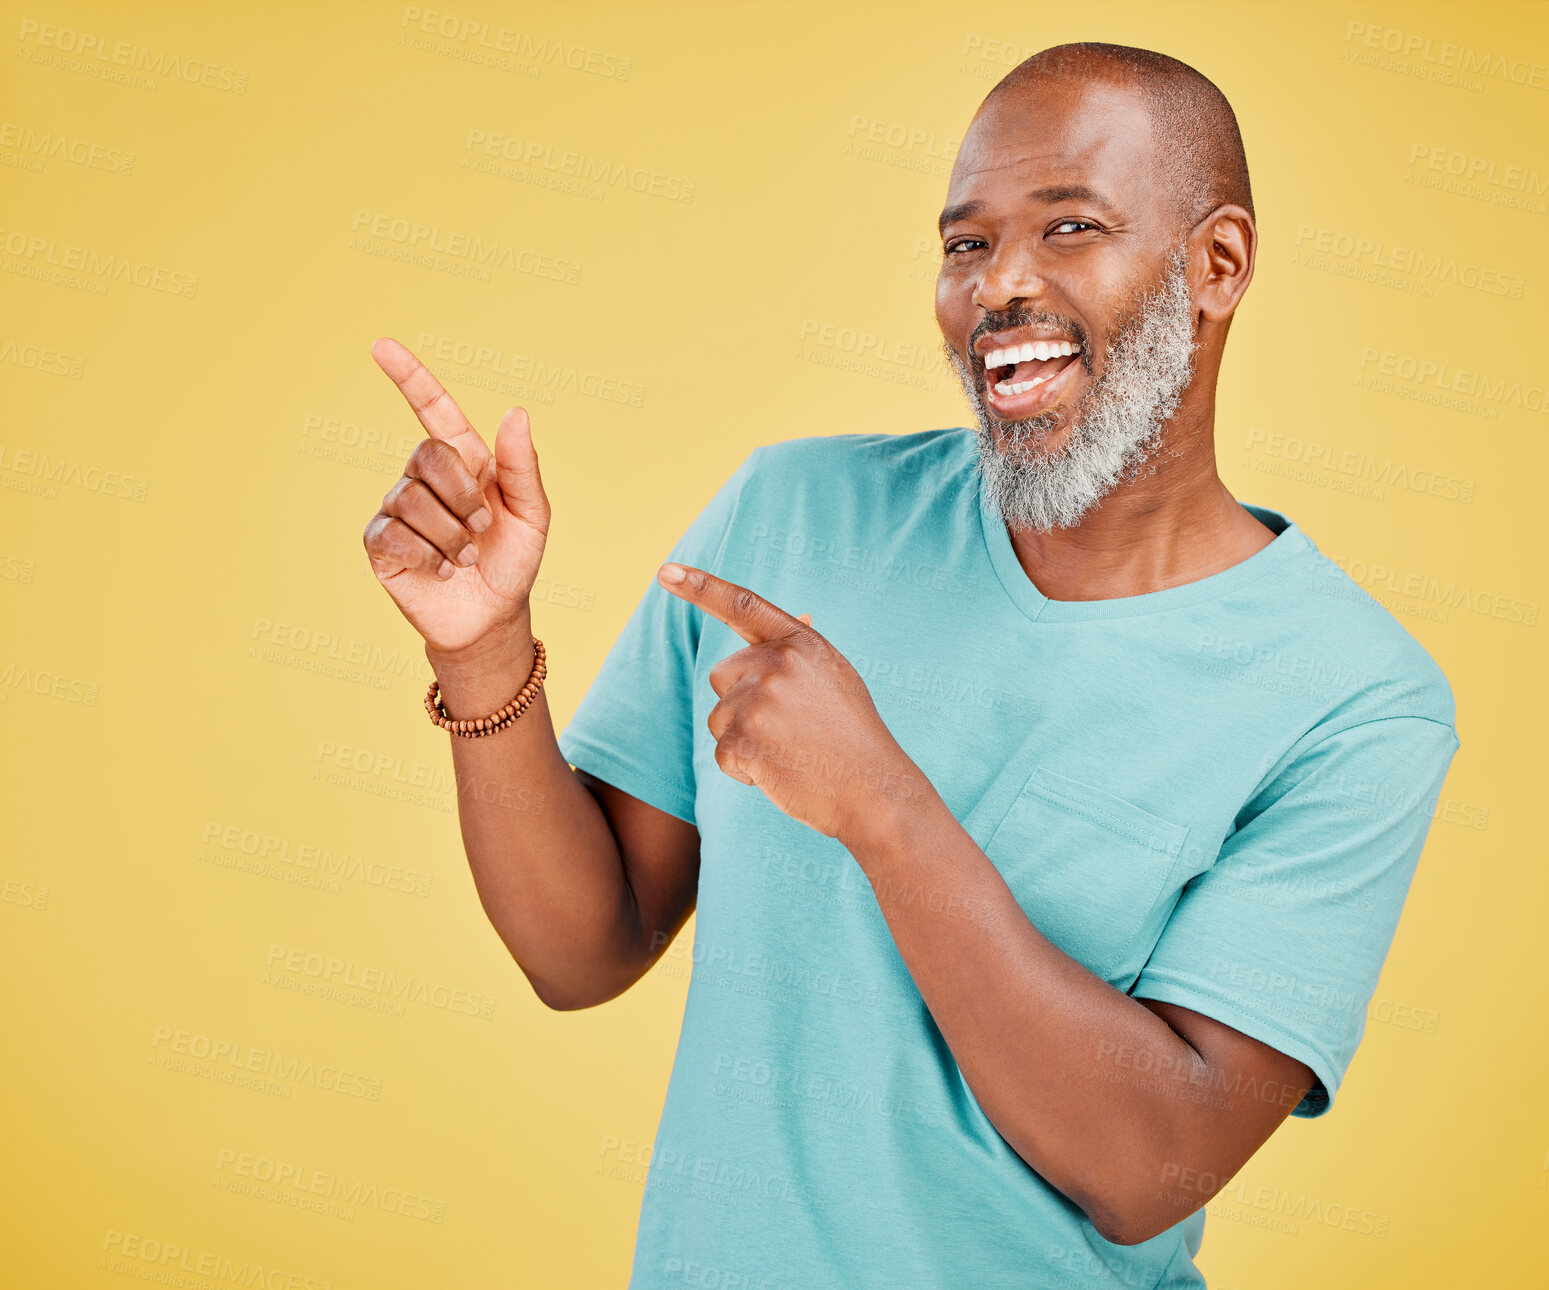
(1221, 250)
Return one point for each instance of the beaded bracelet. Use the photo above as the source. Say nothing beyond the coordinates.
(478, 727)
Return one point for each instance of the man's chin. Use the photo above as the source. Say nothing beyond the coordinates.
(1037, 436)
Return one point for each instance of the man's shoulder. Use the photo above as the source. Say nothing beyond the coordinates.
(860, 453)
(1385, 669)
(852, 501)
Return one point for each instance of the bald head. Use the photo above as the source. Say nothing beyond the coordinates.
(1198, 143)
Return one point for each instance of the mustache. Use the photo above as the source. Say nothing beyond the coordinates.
(1010, 319)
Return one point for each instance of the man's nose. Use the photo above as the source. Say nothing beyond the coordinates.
(1011, 275)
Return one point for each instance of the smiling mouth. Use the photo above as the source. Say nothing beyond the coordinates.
(1021, 368)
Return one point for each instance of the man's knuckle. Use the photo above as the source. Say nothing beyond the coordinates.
(418, 494)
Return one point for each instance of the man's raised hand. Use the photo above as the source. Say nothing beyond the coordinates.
(459, 538)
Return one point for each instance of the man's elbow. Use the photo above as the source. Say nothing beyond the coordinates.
(1132, 1220)
(1122, 1210)
(556, 1002)
(577, 995)
(559, 998)
(1129, 1231)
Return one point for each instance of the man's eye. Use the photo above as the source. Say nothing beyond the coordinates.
(1072, 224)
(961, 243)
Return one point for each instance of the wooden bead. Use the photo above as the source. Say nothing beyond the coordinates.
(478, 727)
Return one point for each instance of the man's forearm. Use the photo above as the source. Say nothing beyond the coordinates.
(543, 856)
(1094, 1090)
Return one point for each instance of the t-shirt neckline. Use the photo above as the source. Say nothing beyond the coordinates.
(1289, 540)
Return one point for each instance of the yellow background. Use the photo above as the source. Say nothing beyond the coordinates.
(193, 642)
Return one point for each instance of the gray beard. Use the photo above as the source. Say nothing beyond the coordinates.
(1116, 428)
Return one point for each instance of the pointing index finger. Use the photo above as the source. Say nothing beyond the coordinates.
(746, 612)
(435, 408)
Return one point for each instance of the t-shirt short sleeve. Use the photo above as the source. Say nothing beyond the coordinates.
(634, 727)
(1284, 936)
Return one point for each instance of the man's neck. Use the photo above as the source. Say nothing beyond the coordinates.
(1146, 536)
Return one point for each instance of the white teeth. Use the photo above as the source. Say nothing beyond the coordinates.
(1019, 387)
(1040, 351)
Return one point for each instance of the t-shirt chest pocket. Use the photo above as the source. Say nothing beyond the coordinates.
(1090, 870)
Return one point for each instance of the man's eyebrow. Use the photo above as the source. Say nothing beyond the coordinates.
(1038, 196)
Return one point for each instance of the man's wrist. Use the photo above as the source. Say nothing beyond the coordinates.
(476, 680)
(886, 814)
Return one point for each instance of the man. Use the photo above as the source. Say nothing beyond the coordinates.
(1047, 862)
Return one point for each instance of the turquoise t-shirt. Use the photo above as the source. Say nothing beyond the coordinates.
(1214, 795)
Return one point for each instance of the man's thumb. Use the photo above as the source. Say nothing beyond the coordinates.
(516, 469)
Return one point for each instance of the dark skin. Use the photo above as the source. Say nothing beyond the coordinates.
(588, 892)
(1033, 1031)
(1089, 260)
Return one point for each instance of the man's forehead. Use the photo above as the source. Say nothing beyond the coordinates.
(1060, 129)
